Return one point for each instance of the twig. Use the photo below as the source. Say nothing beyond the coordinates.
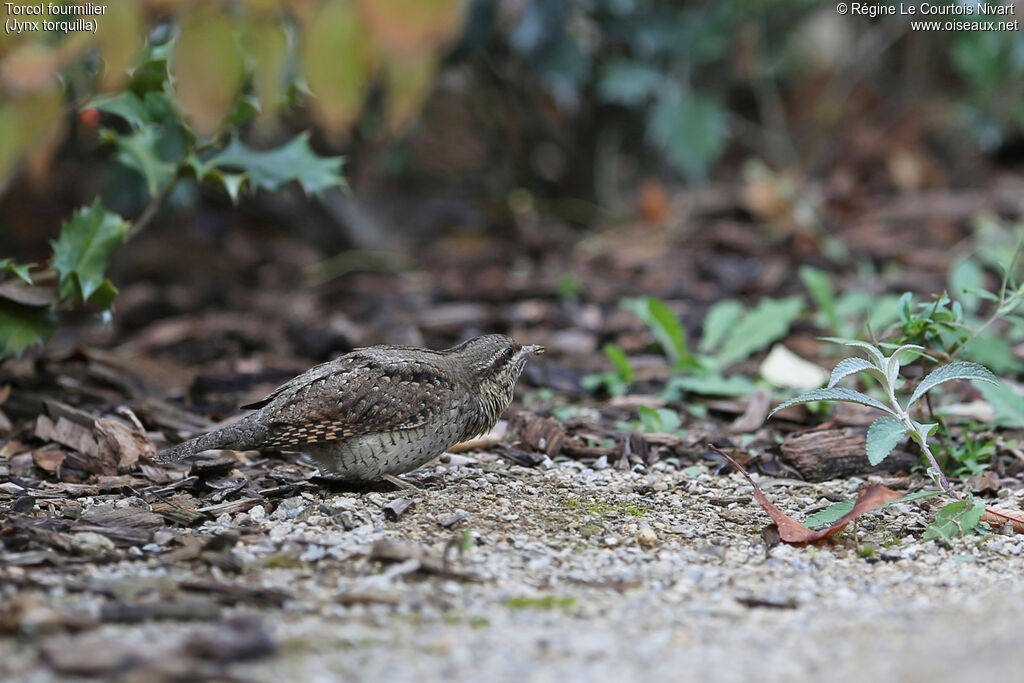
(150, 211)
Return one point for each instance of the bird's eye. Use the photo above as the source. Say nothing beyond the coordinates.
(509, 352)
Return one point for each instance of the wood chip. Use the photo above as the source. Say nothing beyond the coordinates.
(539, 433)
(394, 510)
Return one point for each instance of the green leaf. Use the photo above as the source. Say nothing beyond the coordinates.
(884, 435)
(621, 362)
(85, 244)
(8, 265)
(139, 151)
(851, 366)
(892, 363)
(967, 282)
(629, 83)
(658, 421)
(960, 370)
(922, 431)
(766, 323)
(955, 519)
(670, 334)
(830, 514)
(820, 287)
(835, 394)
(22, 327)
(875, 355)
(126, 105)
(104, 295)
(273, 169)
(719, 320)
(707, 384)
(1007, 403)
(689, 129)
(909, 497)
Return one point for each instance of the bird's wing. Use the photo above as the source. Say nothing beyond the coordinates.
(357, 394)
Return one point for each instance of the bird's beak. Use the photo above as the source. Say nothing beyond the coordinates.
(533, 350)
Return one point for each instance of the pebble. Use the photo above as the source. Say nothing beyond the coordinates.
(91, 544)
(647, 539)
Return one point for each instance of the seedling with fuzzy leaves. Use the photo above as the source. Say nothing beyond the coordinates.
(887, 431)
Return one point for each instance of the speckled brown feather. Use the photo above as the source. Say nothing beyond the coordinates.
(381, 409)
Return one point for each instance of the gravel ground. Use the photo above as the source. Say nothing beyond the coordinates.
(568, 573)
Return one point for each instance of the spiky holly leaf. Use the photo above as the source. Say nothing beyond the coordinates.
(273, 169)
(22, 327)
(85, 245)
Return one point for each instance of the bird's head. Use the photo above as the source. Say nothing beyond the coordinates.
(495, 361)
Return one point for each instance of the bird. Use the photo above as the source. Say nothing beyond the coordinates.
(379, 411)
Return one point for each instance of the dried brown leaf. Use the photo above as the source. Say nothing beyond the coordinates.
(795, 533)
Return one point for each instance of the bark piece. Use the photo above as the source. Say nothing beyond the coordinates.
(539, 433)
(833, 453)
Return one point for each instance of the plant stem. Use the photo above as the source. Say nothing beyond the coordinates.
(1004, 301)
(922, 441)
(150, 211)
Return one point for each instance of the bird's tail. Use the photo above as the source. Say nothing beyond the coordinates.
(218, 439)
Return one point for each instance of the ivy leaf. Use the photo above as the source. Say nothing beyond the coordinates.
(884, 435)
(8, 265)
(85, 244)
(961, 370)
(22, 327)
(139, 152)
(835, 394)
(273, 169)
(766, 323)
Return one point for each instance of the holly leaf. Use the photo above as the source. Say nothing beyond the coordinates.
(139, 151)
(8, 265)
(85, 245)
(125, 105)
(22, 327)
(273, 169)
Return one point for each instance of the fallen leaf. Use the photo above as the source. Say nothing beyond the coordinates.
(795, 533)
(1001, 517)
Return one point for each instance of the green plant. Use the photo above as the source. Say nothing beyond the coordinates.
(174, 107)
(144, 126)
(659, 420)
(887, 431)
(847, 314)
(963, 459)
(731, 334)
(616, 381)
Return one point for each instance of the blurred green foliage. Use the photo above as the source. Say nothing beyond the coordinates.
(688, 80)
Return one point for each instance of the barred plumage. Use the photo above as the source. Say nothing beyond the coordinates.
(381, 410)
